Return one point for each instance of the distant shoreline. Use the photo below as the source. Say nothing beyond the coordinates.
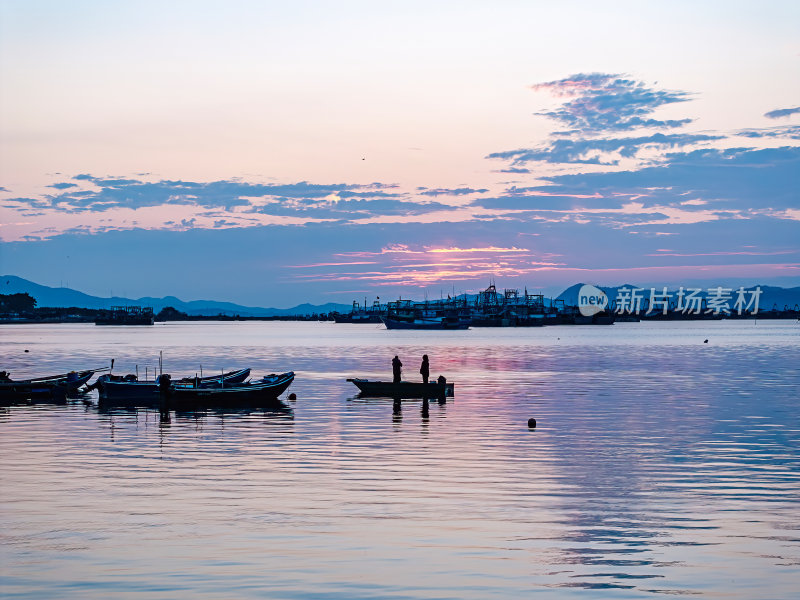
(219, 318)
(765, 316)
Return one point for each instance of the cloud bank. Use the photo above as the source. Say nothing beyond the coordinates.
(615, 189)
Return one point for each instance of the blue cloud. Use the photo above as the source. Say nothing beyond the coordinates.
(133, 193)
(451, 191)
(782, 112)
(609, 102)
(587, 151)
(785, 131)
(733, 184)
(735, 178)
(600, 105)
(63, 186)
(104, 181)
(531, 199)
(348, 209)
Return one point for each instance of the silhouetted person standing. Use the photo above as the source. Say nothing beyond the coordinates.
(397, 368)
(424, 368)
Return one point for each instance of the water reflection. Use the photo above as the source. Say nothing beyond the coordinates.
(398, 406)
(659, 465)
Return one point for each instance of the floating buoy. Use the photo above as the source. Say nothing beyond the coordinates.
(705, 342)
(26, 350)
(292, 396)
(531, 423)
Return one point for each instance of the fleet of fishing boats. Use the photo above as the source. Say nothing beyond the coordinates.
(231, 389)
(489, 308)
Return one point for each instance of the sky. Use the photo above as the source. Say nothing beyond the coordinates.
(274, 153)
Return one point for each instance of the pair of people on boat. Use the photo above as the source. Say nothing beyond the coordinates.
(397, 368)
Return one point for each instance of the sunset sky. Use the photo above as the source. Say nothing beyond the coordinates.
(273, 153)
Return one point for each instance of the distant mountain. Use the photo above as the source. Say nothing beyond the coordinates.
(771, 297)
(65, 297)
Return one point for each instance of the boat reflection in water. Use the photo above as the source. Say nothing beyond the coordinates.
(400, 390)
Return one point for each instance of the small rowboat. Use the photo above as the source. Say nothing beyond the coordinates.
(403, 389)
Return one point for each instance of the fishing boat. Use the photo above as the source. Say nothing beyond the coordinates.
(17, 391)
(404, 314)
(264, 390)
(359, 314)
(126, 315)
(438, 323)
(72, 380)
(51, 387)
(116, 387)
(403, 389)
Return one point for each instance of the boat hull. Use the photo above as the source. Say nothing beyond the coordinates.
(356, 318)
(179, 397)
(11, 393)
(430, 324)
(403, 389)
(53, 388)
(144, 390)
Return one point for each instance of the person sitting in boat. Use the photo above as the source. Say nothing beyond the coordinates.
(4, 378)
(425, 368)
(397, 368)
(441, 380)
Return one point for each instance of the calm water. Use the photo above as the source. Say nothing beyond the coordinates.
(660, 466)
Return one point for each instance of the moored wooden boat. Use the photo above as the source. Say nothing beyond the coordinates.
(178, 395)
(21, 391)
(50, 387)
(403, 389)
(72, 380)
(263, 390)
(119, 387)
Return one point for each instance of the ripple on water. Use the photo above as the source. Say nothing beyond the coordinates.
(659, 465)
